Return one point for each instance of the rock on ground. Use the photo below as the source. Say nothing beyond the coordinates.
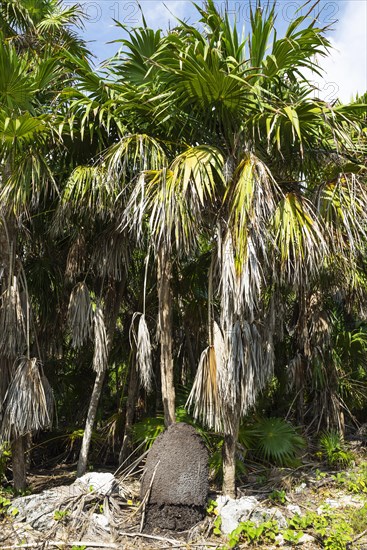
(103, 483)
(234, 511)
(38, 510)
(177, 494)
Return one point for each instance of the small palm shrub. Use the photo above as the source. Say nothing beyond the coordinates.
(272, 440)
(334, 451)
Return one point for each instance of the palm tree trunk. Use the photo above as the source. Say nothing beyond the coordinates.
(229, 454)
(113, 300)
(132, 394)
(165, 331)
(19, 464)
(88, 430)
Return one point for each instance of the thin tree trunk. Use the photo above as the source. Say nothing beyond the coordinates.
(88, 430)
(113, 300)
(130, 414)
(229, 455)
(165, 331)
(19, 464)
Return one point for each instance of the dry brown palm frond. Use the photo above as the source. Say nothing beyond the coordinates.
(80, 315)
(205, 395)
(12, 321)
(100, 355)
(29, 402)
(76, 260)
(295, 371)
(5, 375)
(143, 351)
(110, 257)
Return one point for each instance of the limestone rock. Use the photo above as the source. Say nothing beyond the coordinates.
(234, 511)
(103, 483)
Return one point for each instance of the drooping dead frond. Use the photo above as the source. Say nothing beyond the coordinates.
(143, 351)
(110, 256)
(100, 355)
(75, 263)
(12, 321)
(80, 315)
(29, 402)
(205, 396)
(295, 371)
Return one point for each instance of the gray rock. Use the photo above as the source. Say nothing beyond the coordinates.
(294, 509)
(233, 511)
(38, 510)
(103, 483)
(265, 514)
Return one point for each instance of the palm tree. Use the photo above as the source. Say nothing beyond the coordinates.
(216, 139)
(30, 151)
(261, 211)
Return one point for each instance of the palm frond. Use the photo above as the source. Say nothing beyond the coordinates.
(100, 356)
(143, 350)
(76, 259)
(80, 318)
(299, 239)
(135, 153)
(342, 205)
(173, 198)
(12, 321)
(29, 401)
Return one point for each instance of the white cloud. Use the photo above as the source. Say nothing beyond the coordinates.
(346, 66)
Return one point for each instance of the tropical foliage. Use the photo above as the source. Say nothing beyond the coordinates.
(191, 206)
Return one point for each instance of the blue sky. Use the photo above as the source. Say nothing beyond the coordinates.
(346, 68)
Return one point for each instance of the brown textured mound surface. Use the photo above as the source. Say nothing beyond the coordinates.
(180, 487)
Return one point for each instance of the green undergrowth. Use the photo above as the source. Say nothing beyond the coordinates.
(331, 528)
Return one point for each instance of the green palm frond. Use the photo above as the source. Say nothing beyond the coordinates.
(16, 85)
(135, 153)
(342, 205)
(58, 17)
(134, 64)
(299, 239)
(173, 198)
(252, 200)
(276, 441)
(90, 190)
